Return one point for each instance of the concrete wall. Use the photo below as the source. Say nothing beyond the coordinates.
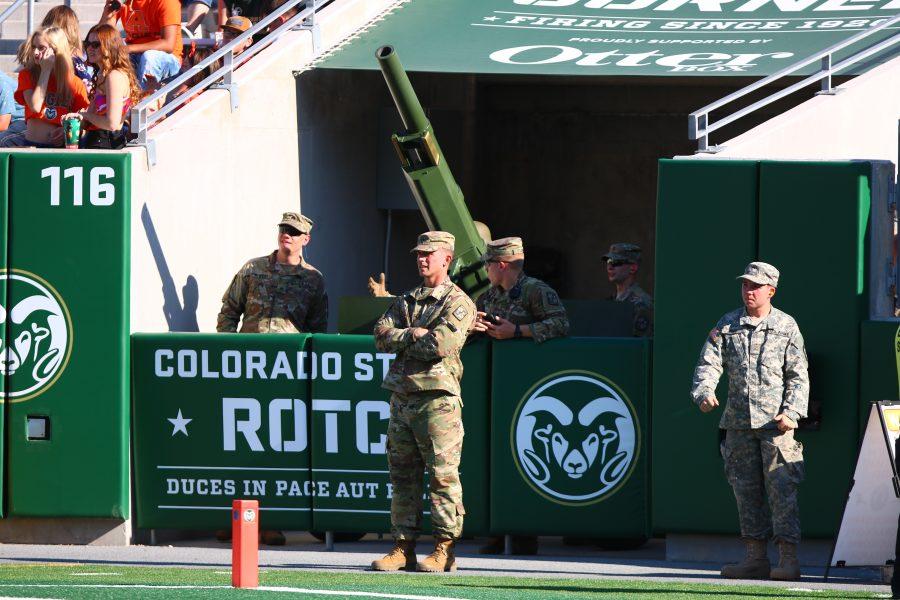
(859, 122)
(222, 181)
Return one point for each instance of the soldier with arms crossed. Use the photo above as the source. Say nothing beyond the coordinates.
(517, 306)
(426, 328)
(761, 349)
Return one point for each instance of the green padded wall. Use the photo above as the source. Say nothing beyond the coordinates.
(219, 417)
(812, 226)
(705, 235)
(878, 367)
(569, 437)
(4, 231)
(68, 316)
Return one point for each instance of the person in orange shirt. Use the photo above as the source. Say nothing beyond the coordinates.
(152, 36)
(48, 89)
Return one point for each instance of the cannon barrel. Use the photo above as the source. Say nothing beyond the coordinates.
(401, 89)
(437, 194)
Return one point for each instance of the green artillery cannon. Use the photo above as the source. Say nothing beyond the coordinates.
(433, 186)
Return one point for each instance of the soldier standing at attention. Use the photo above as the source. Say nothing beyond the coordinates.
(426, 328)
(517, 306)
(622, 262)
(278, 293)
(762, 351)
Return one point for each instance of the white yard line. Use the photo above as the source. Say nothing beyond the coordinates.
(290, 590)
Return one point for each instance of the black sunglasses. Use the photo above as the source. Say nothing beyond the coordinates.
(289, 230)
(92, 45)
(618, 263)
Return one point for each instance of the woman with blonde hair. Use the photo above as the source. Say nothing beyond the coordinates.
(65, 18)
(115, 90)
(48, 89)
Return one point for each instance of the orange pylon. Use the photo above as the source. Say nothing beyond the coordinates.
(245, 543)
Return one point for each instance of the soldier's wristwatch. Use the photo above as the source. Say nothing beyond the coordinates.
(518, 332)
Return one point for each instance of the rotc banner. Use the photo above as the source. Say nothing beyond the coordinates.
(614, 37)
(296, 422)
(569, 435)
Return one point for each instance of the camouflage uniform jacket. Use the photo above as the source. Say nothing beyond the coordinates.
(529, 302)
(766, 366)
(643, 310)
(431, 362)
(275, 298)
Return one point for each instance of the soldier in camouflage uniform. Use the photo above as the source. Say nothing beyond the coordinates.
(622, 262)
(281, 292)
(521, 306)
(761, 349)
(517, 306)
(426, 328)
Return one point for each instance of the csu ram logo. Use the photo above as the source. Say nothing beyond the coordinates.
(575, 437)
(36, 335)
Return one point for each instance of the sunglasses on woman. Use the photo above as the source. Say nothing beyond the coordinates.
(91, 45)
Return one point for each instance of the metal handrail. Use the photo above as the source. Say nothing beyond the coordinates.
(699, 126)
(142, 119)
(29, 17)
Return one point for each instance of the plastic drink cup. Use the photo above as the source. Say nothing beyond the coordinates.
(72, 129)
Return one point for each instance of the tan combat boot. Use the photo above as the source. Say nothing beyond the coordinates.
(442, 559)
(401, 556)
(754, 566)
(788, 568)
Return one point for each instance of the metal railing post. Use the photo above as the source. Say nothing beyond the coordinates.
(826, 68)
(29, 20)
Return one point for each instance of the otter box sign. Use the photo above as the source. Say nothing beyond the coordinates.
(567, 439)
(614, 37)
(297, 422)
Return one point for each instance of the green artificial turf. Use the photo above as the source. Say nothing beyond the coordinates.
(86, 581)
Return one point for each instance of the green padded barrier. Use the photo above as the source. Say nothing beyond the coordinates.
(348, 430)
(705, 235)
(569, 437)
(812, 226)
(67, 305)
(240, 408)
(4, 230)
(878, 367)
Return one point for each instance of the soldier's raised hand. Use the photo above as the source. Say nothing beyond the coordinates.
(709, 404)
(378, 288)
(785, 423)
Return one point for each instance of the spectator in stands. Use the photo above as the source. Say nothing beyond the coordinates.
(65, 18)
(12, 114)
(234, 27)
(193, 58)
(116, 90)
(196, 11)
(152, 35)
(282, 18)
(48, 88)
(254, 10)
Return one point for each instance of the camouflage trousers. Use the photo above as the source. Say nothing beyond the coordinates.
(425, 431)
(762, 463)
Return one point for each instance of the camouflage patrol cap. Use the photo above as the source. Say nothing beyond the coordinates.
(761, 273)
(508, 248)
(630, 253)
(297, 221)
(434, 240)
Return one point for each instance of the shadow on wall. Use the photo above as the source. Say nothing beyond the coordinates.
(179, 317)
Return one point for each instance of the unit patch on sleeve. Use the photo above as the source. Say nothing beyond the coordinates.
(460, 313)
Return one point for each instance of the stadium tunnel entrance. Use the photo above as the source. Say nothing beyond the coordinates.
(567, 163)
